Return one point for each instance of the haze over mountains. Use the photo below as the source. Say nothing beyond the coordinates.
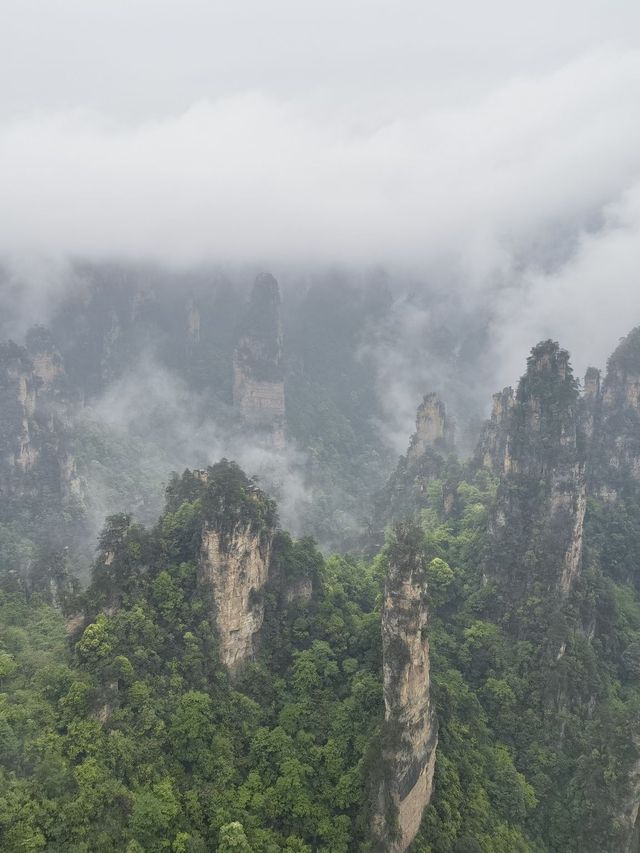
(490, 153)
(290, 560)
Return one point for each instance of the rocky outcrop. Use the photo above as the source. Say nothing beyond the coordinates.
(237, 571)
(628, 817)
(40, 490)
(535, 444)
(434, 429)
(299, 591)
(591, 384)
(234, 556)
(615, 404)
(18, 397)
(241, 555)
(34, 453)
(590, 408)
(410, 732)
(427, 460)
(494, 450)
(258, 373)
(550, 447)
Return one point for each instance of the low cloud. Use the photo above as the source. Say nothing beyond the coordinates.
(587, 304)
(148, 424)
(505, 179)
(469, 192)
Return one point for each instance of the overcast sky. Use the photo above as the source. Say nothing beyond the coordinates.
(375, 59)
(493, 145)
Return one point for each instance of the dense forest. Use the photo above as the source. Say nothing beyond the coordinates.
(457, 672)
(319, 426)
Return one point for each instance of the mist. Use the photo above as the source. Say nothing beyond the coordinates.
(269, 579)
(148, 424)
(484, 161)
(507, 196)
(466, 193)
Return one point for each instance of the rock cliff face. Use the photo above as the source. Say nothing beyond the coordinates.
(629, 813)
(615, 404)
(590, 412)
(410, 732)
(33, 448)
(237, 572)
(258, 373)
(535, 444)
(434, 429)
(40, 490)
(592, 383)
(299, 591)
(425, 461)
(494, 451)
(18, 389)
(550, 447)
(235, 556)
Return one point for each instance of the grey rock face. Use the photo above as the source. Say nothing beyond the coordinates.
(258, 373)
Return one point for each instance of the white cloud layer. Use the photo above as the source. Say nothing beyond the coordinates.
(588, 303)
(491, 148)
(254, 179)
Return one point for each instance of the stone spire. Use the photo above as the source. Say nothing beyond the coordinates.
(410, 733)
(258, 372)
(534, 444)
(434, 428)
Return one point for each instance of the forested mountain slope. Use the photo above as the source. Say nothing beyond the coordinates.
(473, 685)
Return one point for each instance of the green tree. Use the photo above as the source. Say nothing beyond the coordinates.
(233, 839)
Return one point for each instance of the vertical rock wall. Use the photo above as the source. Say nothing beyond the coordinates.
(33, 447)
(616, 444)
(258, 373)
(494, 450)
(237, 572)
(410, 732)
(434, 429)
(628, 817)
(235, 556)
(426, 460)
(535, 445)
